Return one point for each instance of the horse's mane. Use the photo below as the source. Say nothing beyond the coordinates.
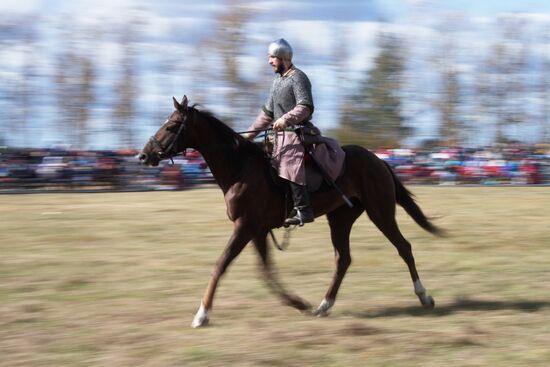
(230, 139)
(240, 151)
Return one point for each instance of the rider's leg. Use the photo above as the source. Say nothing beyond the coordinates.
(302, 205)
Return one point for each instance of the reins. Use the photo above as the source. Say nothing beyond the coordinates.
(254, 131)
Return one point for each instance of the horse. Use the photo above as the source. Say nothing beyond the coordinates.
(242, 171)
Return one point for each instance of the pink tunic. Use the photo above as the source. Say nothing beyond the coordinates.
(288, 151)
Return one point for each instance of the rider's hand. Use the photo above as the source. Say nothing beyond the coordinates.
(280, 124)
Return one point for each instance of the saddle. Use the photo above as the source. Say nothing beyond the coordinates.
(328, 154)
(314, 178)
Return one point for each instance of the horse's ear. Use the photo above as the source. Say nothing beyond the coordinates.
(177, 106)
(182, 107)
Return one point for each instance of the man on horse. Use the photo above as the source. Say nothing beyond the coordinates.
(290, 103)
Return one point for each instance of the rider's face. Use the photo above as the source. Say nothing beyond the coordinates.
(276, 64)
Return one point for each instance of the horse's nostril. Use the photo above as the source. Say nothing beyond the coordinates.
(142, 157)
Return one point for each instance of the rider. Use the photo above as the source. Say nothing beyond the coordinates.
(290, 103)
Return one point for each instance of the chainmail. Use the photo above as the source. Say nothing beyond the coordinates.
(287, 92)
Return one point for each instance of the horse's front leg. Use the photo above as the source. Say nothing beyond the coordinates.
(236, 243)
(260, 242)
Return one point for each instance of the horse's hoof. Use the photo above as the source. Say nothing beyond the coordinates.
(428, 302)
(324, 308)
(200, 322)
(201, 319)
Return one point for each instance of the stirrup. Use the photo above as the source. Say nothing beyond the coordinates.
(299, 218)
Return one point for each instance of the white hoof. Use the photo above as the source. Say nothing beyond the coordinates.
(200, 321)
(201, 318)
(427, 301)
(324, 308)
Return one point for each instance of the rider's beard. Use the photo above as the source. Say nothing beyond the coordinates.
(280, 68)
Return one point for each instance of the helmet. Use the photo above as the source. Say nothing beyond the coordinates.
(280, 48)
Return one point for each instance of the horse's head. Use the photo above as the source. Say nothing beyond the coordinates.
(170, 139)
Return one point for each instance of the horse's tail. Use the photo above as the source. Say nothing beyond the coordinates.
(406, 199)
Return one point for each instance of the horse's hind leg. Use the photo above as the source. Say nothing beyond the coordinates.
(260, 243)
(389, 227)
(341, 220)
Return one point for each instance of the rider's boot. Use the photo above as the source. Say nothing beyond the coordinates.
(302, 212)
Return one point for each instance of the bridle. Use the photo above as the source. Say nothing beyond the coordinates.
(169, 152)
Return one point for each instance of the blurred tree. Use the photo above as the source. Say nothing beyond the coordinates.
(18, 86)
(447, 100)
(373, 115)
(86, 99)
(501, 83)
(544, 89)
(220, 53)
(25, 90)
(74, 79)
(63, 95)
(126, 86)
(342, 79)
(449, 104)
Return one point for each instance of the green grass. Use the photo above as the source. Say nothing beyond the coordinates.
(115, 279)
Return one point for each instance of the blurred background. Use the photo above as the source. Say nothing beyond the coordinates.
(447, 91)
(453, 92)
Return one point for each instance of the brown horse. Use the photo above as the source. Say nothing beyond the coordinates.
(243, 173)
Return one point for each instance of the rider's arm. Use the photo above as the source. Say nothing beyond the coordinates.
(262, 122)
(297, 115)
(293, 117)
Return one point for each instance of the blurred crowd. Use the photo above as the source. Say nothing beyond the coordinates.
(500, 164)
(68, 170)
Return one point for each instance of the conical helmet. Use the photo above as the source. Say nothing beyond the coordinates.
(280, 48)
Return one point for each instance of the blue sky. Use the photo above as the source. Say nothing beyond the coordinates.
(348, 10)
(309, 24)
(491, 8)
(473, 7)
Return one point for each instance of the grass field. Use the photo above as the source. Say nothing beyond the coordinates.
(115, 279)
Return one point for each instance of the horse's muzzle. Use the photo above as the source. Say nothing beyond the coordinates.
(148, 159)
(142, 158)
